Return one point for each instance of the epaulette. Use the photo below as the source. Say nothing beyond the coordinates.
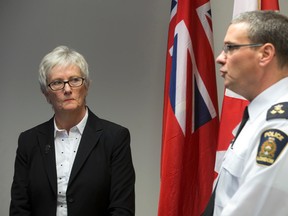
(278, 111)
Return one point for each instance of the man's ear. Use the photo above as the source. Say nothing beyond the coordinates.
(267, 53)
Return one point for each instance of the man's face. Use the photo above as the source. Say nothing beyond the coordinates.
(68, 98)
(239, 66)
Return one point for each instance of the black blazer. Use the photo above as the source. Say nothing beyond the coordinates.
(102, 177)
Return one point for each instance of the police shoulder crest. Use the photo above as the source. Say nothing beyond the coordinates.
(272, 142)
(277, 111)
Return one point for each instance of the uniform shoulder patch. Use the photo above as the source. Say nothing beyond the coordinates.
(277, 111)
(272, 142)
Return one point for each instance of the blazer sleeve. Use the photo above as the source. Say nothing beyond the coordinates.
(20, 205)
(122, 195)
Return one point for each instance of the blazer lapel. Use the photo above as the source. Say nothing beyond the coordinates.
(90, 137)
(46, 142)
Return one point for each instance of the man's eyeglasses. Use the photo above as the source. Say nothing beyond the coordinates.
(60, 84)
(230, 47)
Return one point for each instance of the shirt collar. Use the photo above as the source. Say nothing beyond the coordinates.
(80, 126)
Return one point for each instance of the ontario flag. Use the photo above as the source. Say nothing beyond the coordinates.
(233, 104)
(190, 115)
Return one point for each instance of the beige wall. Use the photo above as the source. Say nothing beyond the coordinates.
(124, 43)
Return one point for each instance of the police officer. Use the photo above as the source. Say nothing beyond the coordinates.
(253, 179)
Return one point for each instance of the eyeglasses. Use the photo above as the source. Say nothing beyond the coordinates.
(60, 84)
(230, 47)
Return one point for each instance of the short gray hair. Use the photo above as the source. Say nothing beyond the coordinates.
(267, 27)
(64, 56)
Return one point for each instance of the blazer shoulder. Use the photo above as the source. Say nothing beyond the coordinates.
(112, 125)
(29, 140)
(112, 134)
(104, 124)
(43, 127)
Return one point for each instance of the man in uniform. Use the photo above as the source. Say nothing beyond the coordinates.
(253, 179)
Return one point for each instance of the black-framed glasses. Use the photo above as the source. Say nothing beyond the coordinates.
(230, 47)
(60, 84)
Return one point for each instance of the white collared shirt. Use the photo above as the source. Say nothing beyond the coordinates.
(246, 187)
(66, 146)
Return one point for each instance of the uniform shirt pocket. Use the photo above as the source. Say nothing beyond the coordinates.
(233, 163)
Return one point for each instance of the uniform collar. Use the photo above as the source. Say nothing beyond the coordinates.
(267, 98)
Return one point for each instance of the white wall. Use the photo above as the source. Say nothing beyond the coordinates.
(124, 43)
